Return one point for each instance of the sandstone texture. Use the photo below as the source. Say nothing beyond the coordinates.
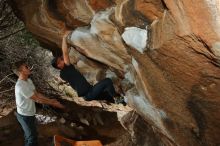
(172, 83)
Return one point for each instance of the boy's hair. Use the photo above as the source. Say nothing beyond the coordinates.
(54, 62)
(17, 65)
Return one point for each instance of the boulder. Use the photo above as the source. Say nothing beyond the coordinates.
(173, 85)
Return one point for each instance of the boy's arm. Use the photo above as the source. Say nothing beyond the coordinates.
(65, 49)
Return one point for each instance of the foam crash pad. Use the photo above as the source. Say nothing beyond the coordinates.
(62, 141)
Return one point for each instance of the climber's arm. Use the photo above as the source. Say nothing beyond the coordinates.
(65, 49)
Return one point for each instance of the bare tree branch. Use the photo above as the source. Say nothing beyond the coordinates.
(7, 20)
(7, 90)
(6, 17)
(4, 37)
(6, 77)
(7, 25)
(3, 5)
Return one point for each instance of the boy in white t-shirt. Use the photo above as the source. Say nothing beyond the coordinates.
(26, 96)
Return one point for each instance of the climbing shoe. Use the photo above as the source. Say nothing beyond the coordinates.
(120, 100)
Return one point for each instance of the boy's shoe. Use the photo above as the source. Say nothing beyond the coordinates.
(120, 100)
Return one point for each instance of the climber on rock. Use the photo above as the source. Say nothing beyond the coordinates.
(26, 96)
(103, 90)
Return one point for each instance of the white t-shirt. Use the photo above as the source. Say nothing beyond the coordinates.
(23, 92)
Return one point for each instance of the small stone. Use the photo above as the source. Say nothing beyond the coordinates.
(203, 88)
(212, 85)
(80, 128)
(84, 121)
(62, 120)
(73, 124)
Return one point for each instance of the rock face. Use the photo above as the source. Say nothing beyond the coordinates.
(173, 85)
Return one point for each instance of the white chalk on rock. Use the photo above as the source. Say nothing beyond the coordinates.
(136, 38)
(110, 74)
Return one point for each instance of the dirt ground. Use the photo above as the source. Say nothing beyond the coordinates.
(86, 121)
